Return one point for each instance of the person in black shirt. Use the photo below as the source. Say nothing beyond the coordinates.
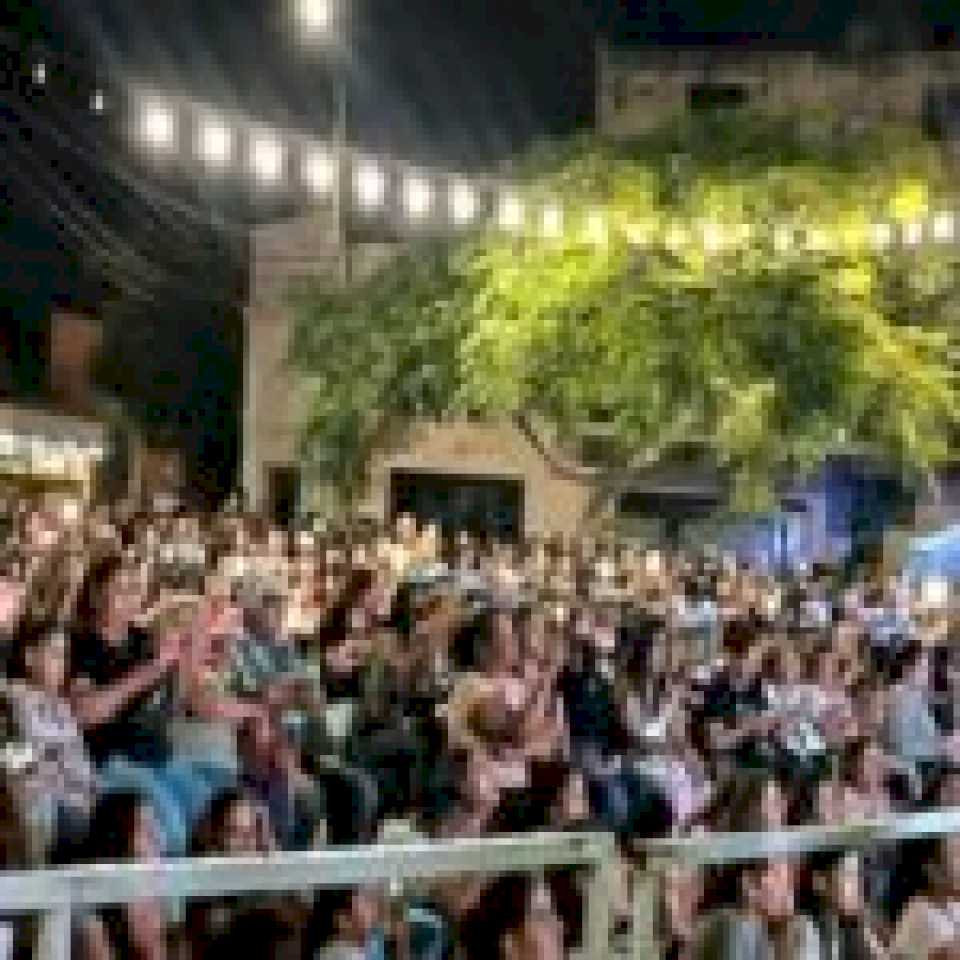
(123, 689)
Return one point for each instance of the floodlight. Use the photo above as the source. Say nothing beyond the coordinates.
(943, 227)
(215, 143)
(40, 73)
(510, 213)
(417, 197)
(463, 202)
(551, 221)
(267, 157)
(913, 233)
(318, 170)
(156, 125)
(98, 102)
(371, 185)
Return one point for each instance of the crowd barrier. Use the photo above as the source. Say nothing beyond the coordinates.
(657, 855)
(56, 895)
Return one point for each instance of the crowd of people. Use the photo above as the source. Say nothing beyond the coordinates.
(185, 685)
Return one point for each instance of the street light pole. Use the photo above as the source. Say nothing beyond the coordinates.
(342, 186)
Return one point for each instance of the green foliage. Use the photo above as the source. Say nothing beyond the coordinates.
(738, 299)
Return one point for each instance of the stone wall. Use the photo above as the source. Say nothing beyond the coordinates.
(637, 89)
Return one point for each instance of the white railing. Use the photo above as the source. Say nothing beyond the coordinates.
(55, 895)
(742, 847)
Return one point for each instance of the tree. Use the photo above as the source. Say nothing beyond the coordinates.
(737, 297)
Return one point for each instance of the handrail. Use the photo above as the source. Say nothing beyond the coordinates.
(740, 847)
(55, 894)
(109, 884)
(720, 848)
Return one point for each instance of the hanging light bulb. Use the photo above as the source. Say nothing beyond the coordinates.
(417, 197)
(943, 227)
(882, 235)
(510, 212)
(318, 170)
(551, 221)
(463, 202)
(913, 233)
(597, 228)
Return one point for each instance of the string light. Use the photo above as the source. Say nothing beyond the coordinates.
(371, 185)
(913, 234)
(551, 221)
(882, 235)
(597, 228)
(318, 170)
(417, 197)
(267, 156)
(215, 143)
(783, 239)
(156, 125)
(510, 212)
(712, 237)
(463, 202)
(943, 227)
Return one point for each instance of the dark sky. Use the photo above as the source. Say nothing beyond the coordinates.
(463, 84)
(465, 81)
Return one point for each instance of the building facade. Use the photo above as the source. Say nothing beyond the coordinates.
(638, 87)
(496, 475)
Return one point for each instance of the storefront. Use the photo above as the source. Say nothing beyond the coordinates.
(43, 452)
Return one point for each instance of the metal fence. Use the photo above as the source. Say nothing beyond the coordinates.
(57, 895)
(718, 849)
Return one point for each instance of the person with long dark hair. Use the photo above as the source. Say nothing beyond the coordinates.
(126, 660)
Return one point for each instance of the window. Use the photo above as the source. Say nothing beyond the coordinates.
(621, 93)
(941, 111)
(716, 96)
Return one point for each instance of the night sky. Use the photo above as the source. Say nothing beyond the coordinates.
(462, 84)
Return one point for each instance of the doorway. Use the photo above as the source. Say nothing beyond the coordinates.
(480, 505)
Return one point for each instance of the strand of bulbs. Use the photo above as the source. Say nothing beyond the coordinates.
(273, 160)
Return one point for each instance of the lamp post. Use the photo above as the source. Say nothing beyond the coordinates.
(321, 24)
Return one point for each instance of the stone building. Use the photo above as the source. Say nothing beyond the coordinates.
(57, 443)
(637, 87)
(496, 474)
